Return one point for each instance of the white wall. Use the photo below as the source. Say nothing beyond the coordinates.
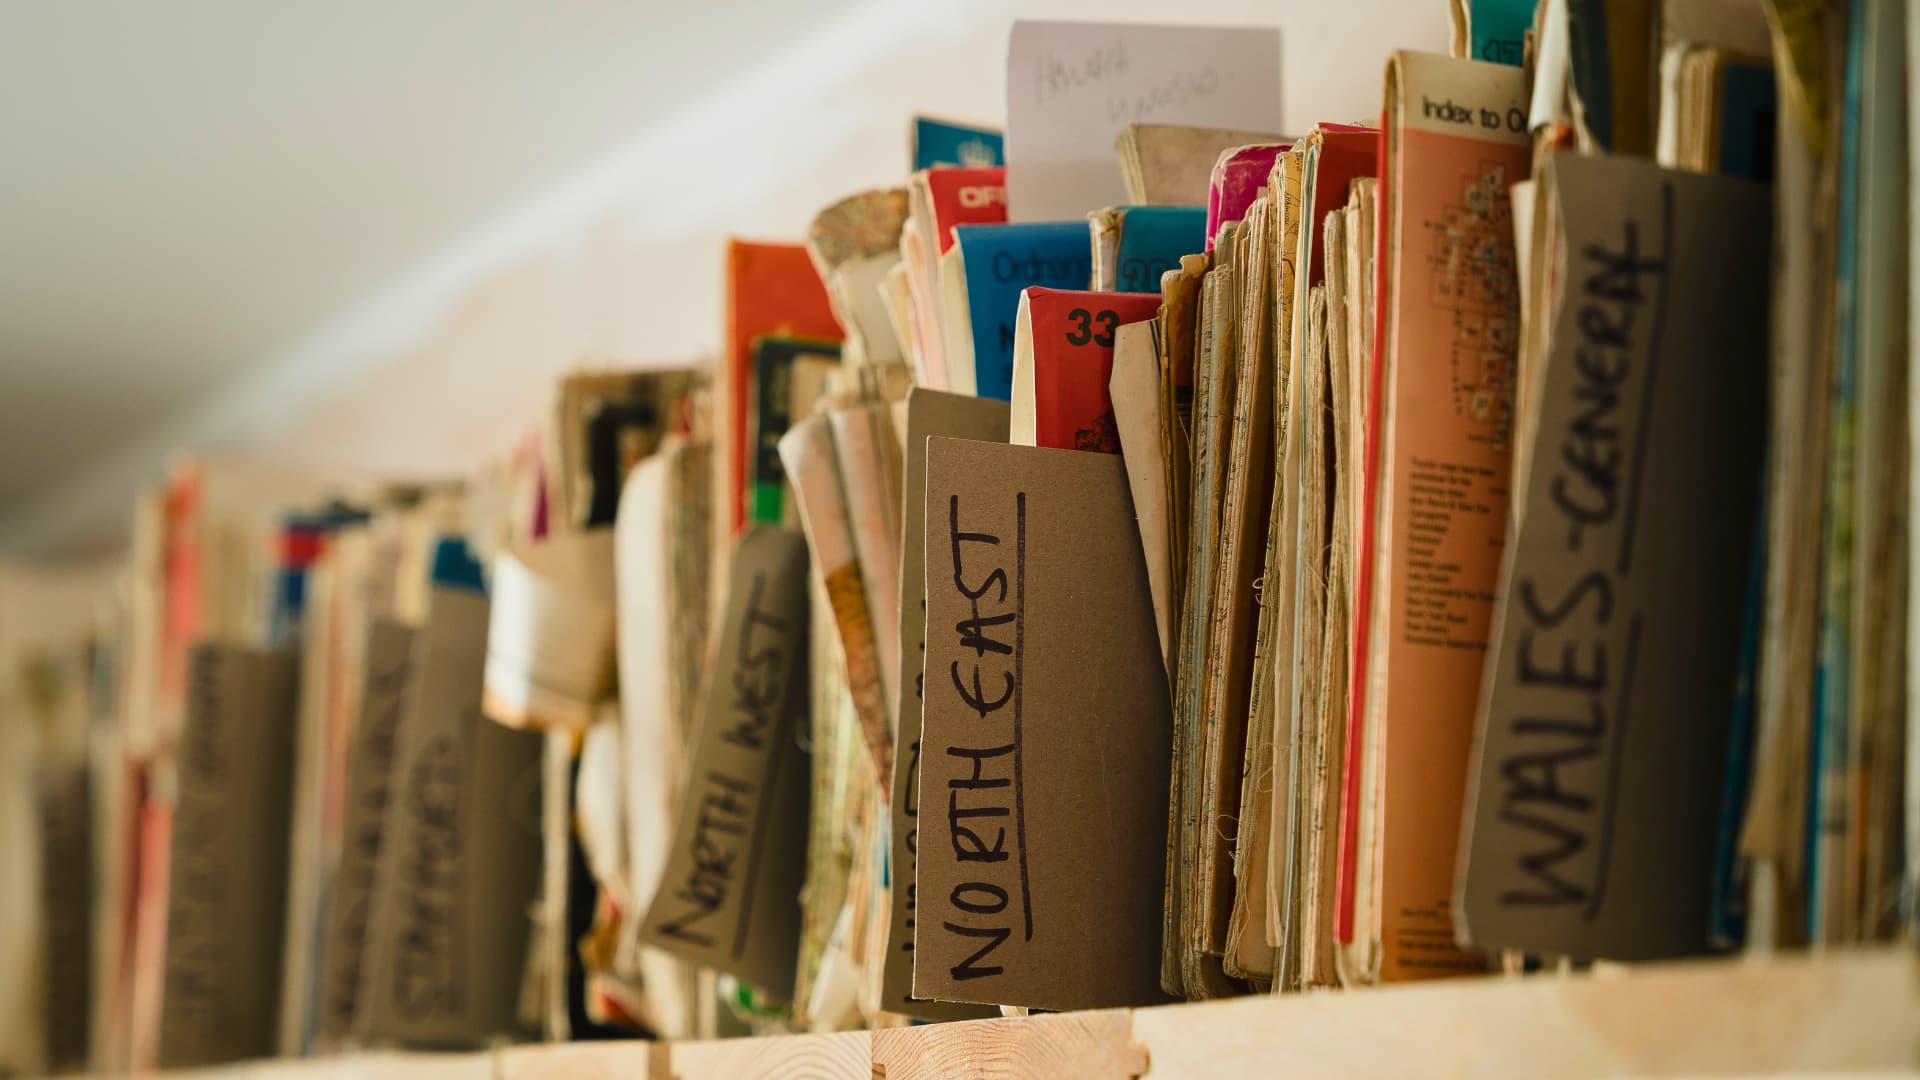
(621, 262)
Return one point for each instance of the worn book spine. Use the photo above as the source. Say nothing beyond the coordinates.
(813, 468)
(1295, 172)
(1199, 973)
(1246, 507)
(1309, 615)
(869, 458)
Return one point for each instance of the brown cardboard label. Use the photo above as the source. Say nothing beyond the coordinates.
(460, 860)
(929, 413)
(1045, 749)
(226, 892)
(370, 781)
(730, 896)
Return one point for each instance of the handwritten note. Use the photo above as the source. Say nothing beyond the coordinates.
(1045, 749)
(1611, 686)
(1072, 88)
(730, 895)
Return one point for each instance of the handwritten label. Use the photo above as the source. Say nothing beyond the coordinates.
(1044, 755)
(65, 802)
(459, 861)
(225, 894)
(369, 790)
(949, 415)
(985, 804)
(1594, 816)
(1073, 87)
(729, 897)
(199, 874)
(427, 973)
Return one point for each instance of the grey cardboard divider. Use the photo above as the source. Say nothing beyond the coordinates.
(1592, 804)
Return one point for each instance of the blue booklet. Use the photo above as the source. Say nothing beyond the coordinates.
(1500, 30)
(1152, 239)
(1749, 101)
(455, 567)
(1000, 261)
(936, 142)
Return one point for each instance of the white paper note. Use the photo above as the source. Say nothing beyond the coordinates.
(1072, 87)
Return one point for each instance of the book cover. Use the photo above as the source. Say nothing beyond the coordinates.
(943, 142)
(955, 196)
(1063, 360)
(1171, 164)
(771, 289)
(1152, 240)
(662, 567)
(790, 374)
(1438, 456)
(1239, 177)
(994, 263)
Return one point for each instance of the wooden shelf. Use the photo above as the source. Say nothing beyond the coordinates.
(1856, 1012)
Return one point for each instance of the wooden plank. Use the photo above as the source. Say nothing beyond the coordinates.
(1094, 1045)
(373, 1065)
(1856, 1013)
(579, 1061)
(844, 1055)
(1843, 1011)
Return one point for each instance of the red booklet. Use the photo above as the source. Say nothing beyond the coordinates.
(964, 197)
(771, 289)
(1346, 152)
(1239, 177)
(1062, 359)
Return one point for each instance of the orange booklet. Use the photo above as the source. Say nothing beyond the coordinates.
(771, 289)
(1439, 435)
(1062, 363)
